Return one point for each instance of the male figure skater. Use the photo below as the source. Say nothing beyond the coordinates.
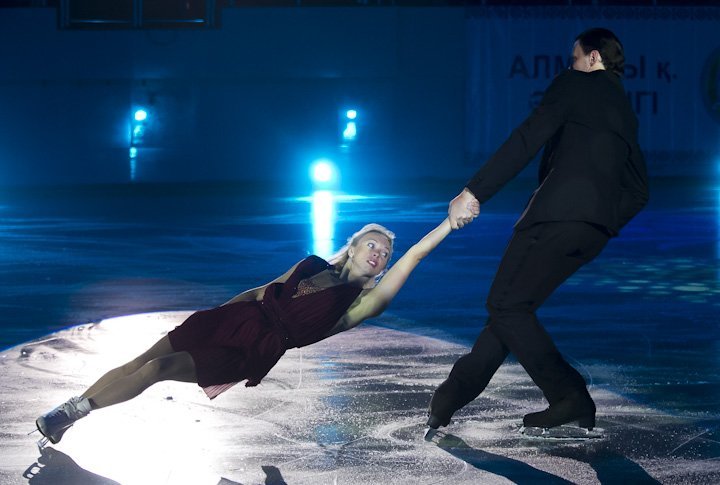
(592, 181)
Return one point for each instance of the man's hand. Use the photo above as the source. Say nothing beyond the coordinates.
(463, 209)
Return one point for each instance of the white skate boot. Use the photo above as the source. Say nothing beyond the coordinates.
(52, 425)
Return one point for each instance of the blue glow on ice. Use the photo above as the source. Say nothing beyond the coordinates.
(350, 131)
(133, 153)
(323, 222)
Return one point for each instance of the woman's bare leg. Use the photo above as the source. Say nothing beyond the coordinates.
(160, 348)
(178, 366)
(158, 363)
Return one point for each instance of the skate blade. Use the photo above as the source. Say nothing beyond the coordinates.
(562, 433)
(433, 435)
(42, 442)
(430, 433)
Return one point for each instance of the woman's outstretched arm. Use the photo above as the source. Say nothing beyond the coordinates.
(377, 299)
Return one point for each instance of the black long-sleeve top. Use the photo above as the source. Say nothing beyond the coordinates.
(592, 168)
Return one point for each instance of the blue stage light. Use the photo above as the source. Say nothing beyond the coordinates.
(323, 171)
(138, 127)
(351, 114)
(141, 115)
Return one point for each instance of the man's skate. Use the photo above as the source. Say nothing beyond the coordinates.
(562, 433)
(553, 422)
(433, 423)
(443, 404)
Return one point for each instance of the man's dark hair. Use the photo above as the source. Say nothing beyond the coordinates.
(607, 44)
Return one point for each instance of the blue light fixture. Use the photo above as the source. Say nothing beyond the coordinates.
(138, 127)
(349, 133)
(323, 171)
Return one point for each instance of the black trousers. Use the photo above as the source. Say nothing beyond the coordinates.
(536, 261)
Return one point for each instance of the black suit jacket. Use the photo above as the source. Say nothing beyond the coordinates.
(592, 168)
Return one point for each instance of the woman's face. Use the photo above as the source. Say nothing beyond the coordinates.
(370, 253)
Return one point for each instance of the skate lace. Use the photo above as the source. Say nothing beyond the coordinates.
(69, 409)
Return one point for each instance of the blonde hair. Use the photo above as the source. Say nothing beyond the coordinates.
(341, 256)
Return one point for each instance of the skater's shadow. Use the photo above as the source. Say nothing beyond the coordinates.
(273, 476)
(56, 468)
(514, 470)
(610, 466)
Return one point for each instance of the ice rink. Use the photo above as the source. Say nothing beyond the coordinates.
(348, 410)
(640, 324)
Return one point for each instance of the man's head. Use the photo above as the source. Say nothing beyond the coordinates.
(598, 48)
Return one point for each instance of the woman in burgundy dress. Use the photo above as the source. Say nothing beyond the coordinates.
(244, 338)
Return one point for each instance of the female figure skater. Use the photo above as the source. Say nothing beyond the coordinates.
(244, 338)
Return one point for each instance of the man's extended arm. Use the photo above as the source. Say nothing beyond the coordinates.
(525, 140)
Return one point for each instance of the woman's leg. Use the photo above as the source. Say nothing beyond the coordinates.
(158, 363)
(160, 348)
(178, 366)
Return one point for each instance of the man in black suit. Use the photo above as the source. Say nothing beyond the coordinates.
(592, 182)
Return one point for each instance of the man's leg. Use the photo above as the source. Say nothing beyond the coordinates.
(468, 378)
(537, 261)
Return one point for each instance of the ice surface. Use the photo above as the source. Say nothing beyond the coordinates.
(349, 410)
(640, 323)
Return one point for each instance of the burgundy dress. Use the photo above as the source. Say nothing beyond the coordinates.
(244, 340)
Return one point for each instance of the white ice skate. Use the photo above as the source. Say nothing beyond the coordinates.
(52, 425)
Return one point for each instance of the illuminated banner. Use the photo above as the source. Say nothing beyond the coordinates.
(672, 73)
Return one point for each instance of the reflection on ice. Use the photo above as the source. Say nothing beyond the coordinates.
(323, 223)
